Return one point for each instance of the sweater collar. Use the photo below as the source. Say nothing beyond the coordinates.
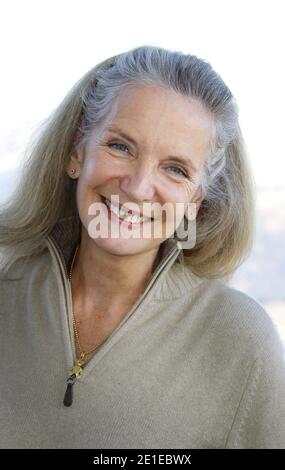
(66, 235)
(170, 283)
(174, 278)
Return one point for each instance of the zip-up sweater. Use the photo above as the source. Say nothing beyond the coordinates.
(194, 363)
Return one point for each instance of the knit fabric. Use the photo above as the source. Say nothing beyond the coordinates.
(194, 363)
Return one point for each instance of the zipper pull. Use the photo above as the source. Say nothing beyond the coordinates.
(68, 396)
(76, 372)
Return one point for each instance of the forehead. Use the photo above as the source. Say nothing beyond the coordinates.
(162, 122)
(159, 109)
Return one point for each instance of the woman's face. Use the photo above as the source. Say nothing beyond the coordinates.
(148, 152)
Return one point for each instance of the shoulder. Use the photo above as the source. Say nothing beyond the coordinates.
(24, 266)
(227, 316)
(27, 280)
(237, 305)
(259, 420)
(240, 307)
(243, 320)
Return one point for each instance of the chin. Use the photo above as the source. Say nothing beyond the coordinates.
(121, 247)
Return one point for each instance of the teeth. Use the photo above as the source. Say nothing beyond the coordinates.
(135, 219)
(124, 215)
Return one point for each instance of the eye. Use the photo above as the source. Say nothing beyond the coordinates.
(180, 172)
(118, 143)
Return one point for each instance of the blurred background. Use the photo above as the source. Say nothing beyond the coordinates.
(46, 46)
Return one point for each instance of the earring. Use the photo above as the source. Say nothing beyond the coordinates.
(72, 171)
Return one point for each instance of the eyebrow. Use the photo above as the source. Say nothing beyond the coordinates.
(180, 159)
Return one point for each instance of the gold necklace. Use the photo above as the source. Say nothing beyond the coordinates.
(77, 367)
(79, 364)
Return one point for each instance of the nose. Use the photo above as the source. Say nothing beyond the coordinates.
(138, 185)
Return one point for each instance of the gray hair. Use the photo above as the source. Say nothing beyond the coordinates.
(224, 222)
(192, 77)
(184, 74)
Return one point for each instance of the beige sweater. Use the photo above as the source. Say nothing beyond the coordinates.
(194, 364)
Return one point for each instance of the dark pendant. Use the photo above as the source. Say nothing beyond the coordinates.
(68, 397)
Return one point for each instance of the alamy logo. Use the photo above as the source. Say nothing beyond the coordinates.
(152, 220)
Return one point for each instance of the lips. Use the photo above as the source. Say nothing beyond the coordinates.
(131, 211)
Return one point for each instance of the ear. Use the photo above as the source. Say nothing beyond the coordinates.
(73, 167)
(194, 206)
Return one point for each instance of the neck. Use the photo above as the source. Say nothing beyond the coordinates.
(107, 281)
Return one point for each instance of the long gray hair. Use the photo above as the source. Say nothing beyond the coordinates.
(45, 193)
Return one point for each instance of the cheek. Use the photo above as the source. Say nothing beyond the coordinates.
(179, 196)
(96, 170)
(88, 181)
(176, 193)
(174, 203)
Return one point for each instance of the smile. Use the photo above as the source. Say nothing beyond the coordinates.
(124, 216)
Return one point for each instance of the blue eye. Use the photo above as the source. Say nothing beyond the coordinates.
(182, 172)
(117, 143)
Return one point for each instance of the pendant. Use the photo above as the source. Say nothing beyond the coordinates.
(68, 396)
(76, 372)
(77, 367)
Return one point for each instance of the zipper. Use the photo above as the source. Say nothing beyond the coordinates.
(68, 396)
(76, 372)
(78, 366)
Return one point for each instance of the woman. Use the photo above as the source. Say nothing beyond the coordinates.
(117, 341)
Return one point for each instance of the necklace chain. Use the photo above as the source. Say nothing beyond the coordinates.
(83, 354)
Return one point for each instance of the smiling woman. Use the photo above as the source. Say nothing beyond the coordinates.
(134, 338)
(140, 169)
